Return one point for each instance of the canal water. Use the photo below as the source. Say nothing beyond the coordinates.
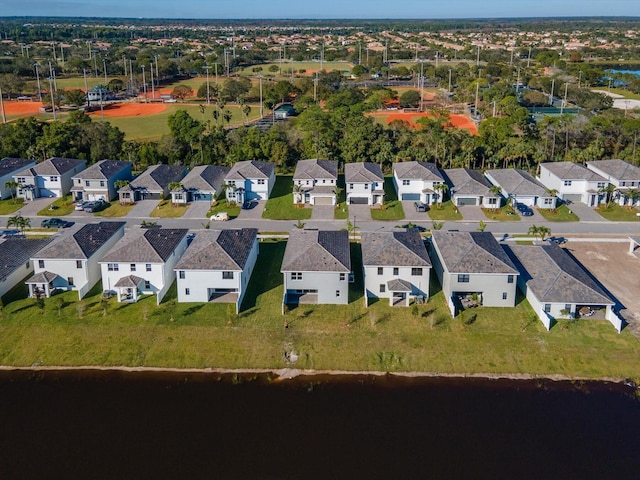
(118, 425)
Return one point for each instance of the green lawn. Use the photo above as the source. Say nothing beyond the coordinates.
(166, 209)
(10, 205)
(233, 210)
(59, 208)
(342, 208)
(389, 211)
(115, 209)
(560, 214)
(626, 93)
(616, 213)
(503, 214)
(297, 66)
(350, 337)
(280, 204)
(445, 211)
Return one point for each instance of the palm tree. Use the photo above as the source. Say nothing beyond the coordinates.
(246, 110)
(541, 231)
(297, 193)
(300, 224)
(227, 116)
(19, 222)
(482, 226)
(632, 194)
(175, 186)
(440, 189)
(12, 185)
(608, 192)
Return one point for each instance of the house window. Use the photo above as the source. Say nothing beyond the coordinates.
(133, 267)
(406, 182)
(79, 181)
(27, 264)
(78, 263)
(547, 307)
(187, 291)
(86, 183)
(148, 267)
(113, 267)
(324, 180)
(147, 284)
(337, 293)
(510, 279)
(396, 270)
(492, 201)
(623, 184)
(504, 295)
(601, 185)
(296, 276)
(227, 275)
(307, 182)
(343, 276)
(351, 186)
(53, 179)
(416, 271)
(383, 288)
(181, 274)
(567, 183)
(261, 181)
(567, 307)
(70, 281)
(21, 180)
(463, 278)
(102, 183)
(548, 201)
(40, 263)
(366, 186)
(380, 270)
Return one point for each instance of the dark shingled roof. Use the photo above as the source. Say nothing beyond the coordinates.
(130, 281)
(517, 182)
(158, 177)
(205, 178)
(153, 246)
(219, 250)
(417, 171)
(9, 165)
(250, 169)
(465, 181)
(555, 277)
(42, 277)
(317, 251)
(52, 166)
(15, 251)
(83, 243)
(316, 168)
(405, 249)
(104, 169)
(362, 172)
(399, 285)
(472, 252)
(572, 171)
(617, 169)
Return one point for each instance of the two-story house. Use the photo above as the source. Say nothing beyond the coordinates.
(202, 184)
(522, 187)
(70, 262)
(316, 267)
(396, 266)
(152, 184)
(98, 181)
(15, 259)
(574, 182)
(51, 178)
(314, 182)
(250, 180)
(623, 176)
(364, 183)
(416, 181)
(470, 187)
(143, 262)
(8, 168)
(473, 269)
(217, 266)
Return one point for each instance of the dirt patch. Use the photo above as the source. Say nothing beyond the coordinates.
(617, 270)
(131, 109)
(458, 121)
(21, 108)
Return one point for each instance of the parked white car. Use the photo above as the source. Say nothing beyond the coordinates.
(219, 217)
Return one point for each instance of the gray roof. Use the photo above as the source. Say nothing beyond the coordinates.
(317, 251)
(472, 252)
(81, 243)
(103, 170)
(250, 169)
(398, 285)
(15, 251)
(52, 166)
(417, 171)
(9, 165)
(158, 177)
(146, 246)
(219, 250)
(42, 277)
(555, 277)
(464, 181)
(395, 249)
(518, 182)
(315, 168)
(362, 172)
(572, 171)
(618, 169)
(130, 281)
(205, 178)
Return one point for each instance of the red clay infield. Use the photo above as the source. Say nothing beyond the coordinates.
(458, 121)
(21, 108)
(131, 109)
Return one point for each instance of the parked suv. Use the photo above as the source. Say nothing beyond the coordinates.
(420, 207)
(96, 206)
(524, 210)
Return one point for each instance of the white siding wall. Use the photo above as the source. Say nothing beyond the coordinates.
(491, 286)
(416, 186)
(65, 268)
(200, 281)
(326, 283)
(362, 189)
(18, 274)
(155, 277)
(6, 192)
(372, 280)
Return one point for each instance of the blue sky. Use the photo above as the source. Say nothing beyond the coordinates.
(215, 9)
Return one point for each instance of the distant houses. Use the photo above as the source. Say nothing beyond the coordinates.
(364, 183)
(315, 182)
(51, 178)
(152, 184)
(202, 184)
(417, 181)
(98, 182)
(249, 180)
(8, 168)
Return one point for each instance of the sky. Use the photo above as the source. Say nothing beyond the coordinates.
(365, 9)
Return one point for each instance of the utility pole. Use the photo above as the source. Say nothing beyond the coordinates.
(86, 88)
(477, 92)
(529, 57)
(579, 78)
(261, 106)
(207, 68)
(144, 84)
(518, 83)
(478, 57)
(315, 89)
(321, 56)
(157, 74)
(553, 86)
(131, 73)
(124, 64)
(51, 95)
(564, 101)
(153, 87)
(4, 117)
(104, 70)
(38, 80)
(421, 86)
(61, 53)
(449, 91)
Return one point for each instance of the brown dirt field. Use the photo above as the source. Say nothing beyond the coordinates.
(458, 121)
(132, 109)
(21, 108)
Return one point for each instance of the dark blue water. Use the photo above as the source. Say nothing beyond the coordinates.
(183, 426)
(632, 72)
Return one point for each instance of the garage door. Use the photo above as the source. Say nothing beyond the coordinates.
(323, 201)
(463, 201)
(410, 196)
(359, 200)
(201, 197)
(572, 197)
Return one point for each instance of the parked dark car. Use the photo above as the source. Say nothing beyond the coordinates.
(96, 206)
(420, 207)
(249, 204)
(9, 233)
(55, 223)
(524, 210)
(557, 240)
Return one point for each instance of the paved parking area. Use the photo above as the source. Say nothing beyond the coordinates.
(411, 215)
(197, 210)
(362, 212)
(585, 213)
(142, 209)
(322, 212)
(472, 213)
(254, 213)
(31, 209)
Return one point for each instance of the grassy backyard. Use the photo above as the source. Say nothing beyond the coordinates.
(62, 206)
(392, 208)
(616, 213)
(503, 214)
(444, 211)
(9, 206)
(280, 204)
(560, 214)
(63, 331)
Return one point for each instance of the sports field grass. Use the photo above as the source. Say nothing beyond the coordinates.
(309, 67)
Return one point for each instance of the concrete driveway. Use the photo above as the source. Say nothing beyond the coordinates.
(410, 213)
(253, 214)
(142, 209)
(322, 212)
(361, 212)
(472, 213)
(585, 212)
(197, 210)
(31, 209)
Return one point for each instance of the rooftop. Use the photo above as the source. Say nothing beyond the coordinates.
(158, 177)
(219, 250)
(146, 246)
(205, 178)
(362, 172)
(317, 251)
(81, 243)
(103, 170)
(465, 181)
(316, 168)
(9, 165)
(618, 169)
(572, 171)
(250, 169)
(517, 182)
(417, 171)
(16, 251)
(52, 166)
(394, 249)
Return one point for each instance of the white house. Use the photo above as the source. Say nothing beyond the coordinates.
(51, 178)
(70, 262)
(364, 183)
(152, 184)
(470, 187)
(250, 180)
(473, 269)
(98, 181)
(521, 187)
(316, 267)
(143, 262)
(314, 182)
(15, 259)
(622, 175)
(202, 184)
(557, 286)
(8, 168)
(573, 181)
(417, 180)
(217, 266)
(396, 266)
